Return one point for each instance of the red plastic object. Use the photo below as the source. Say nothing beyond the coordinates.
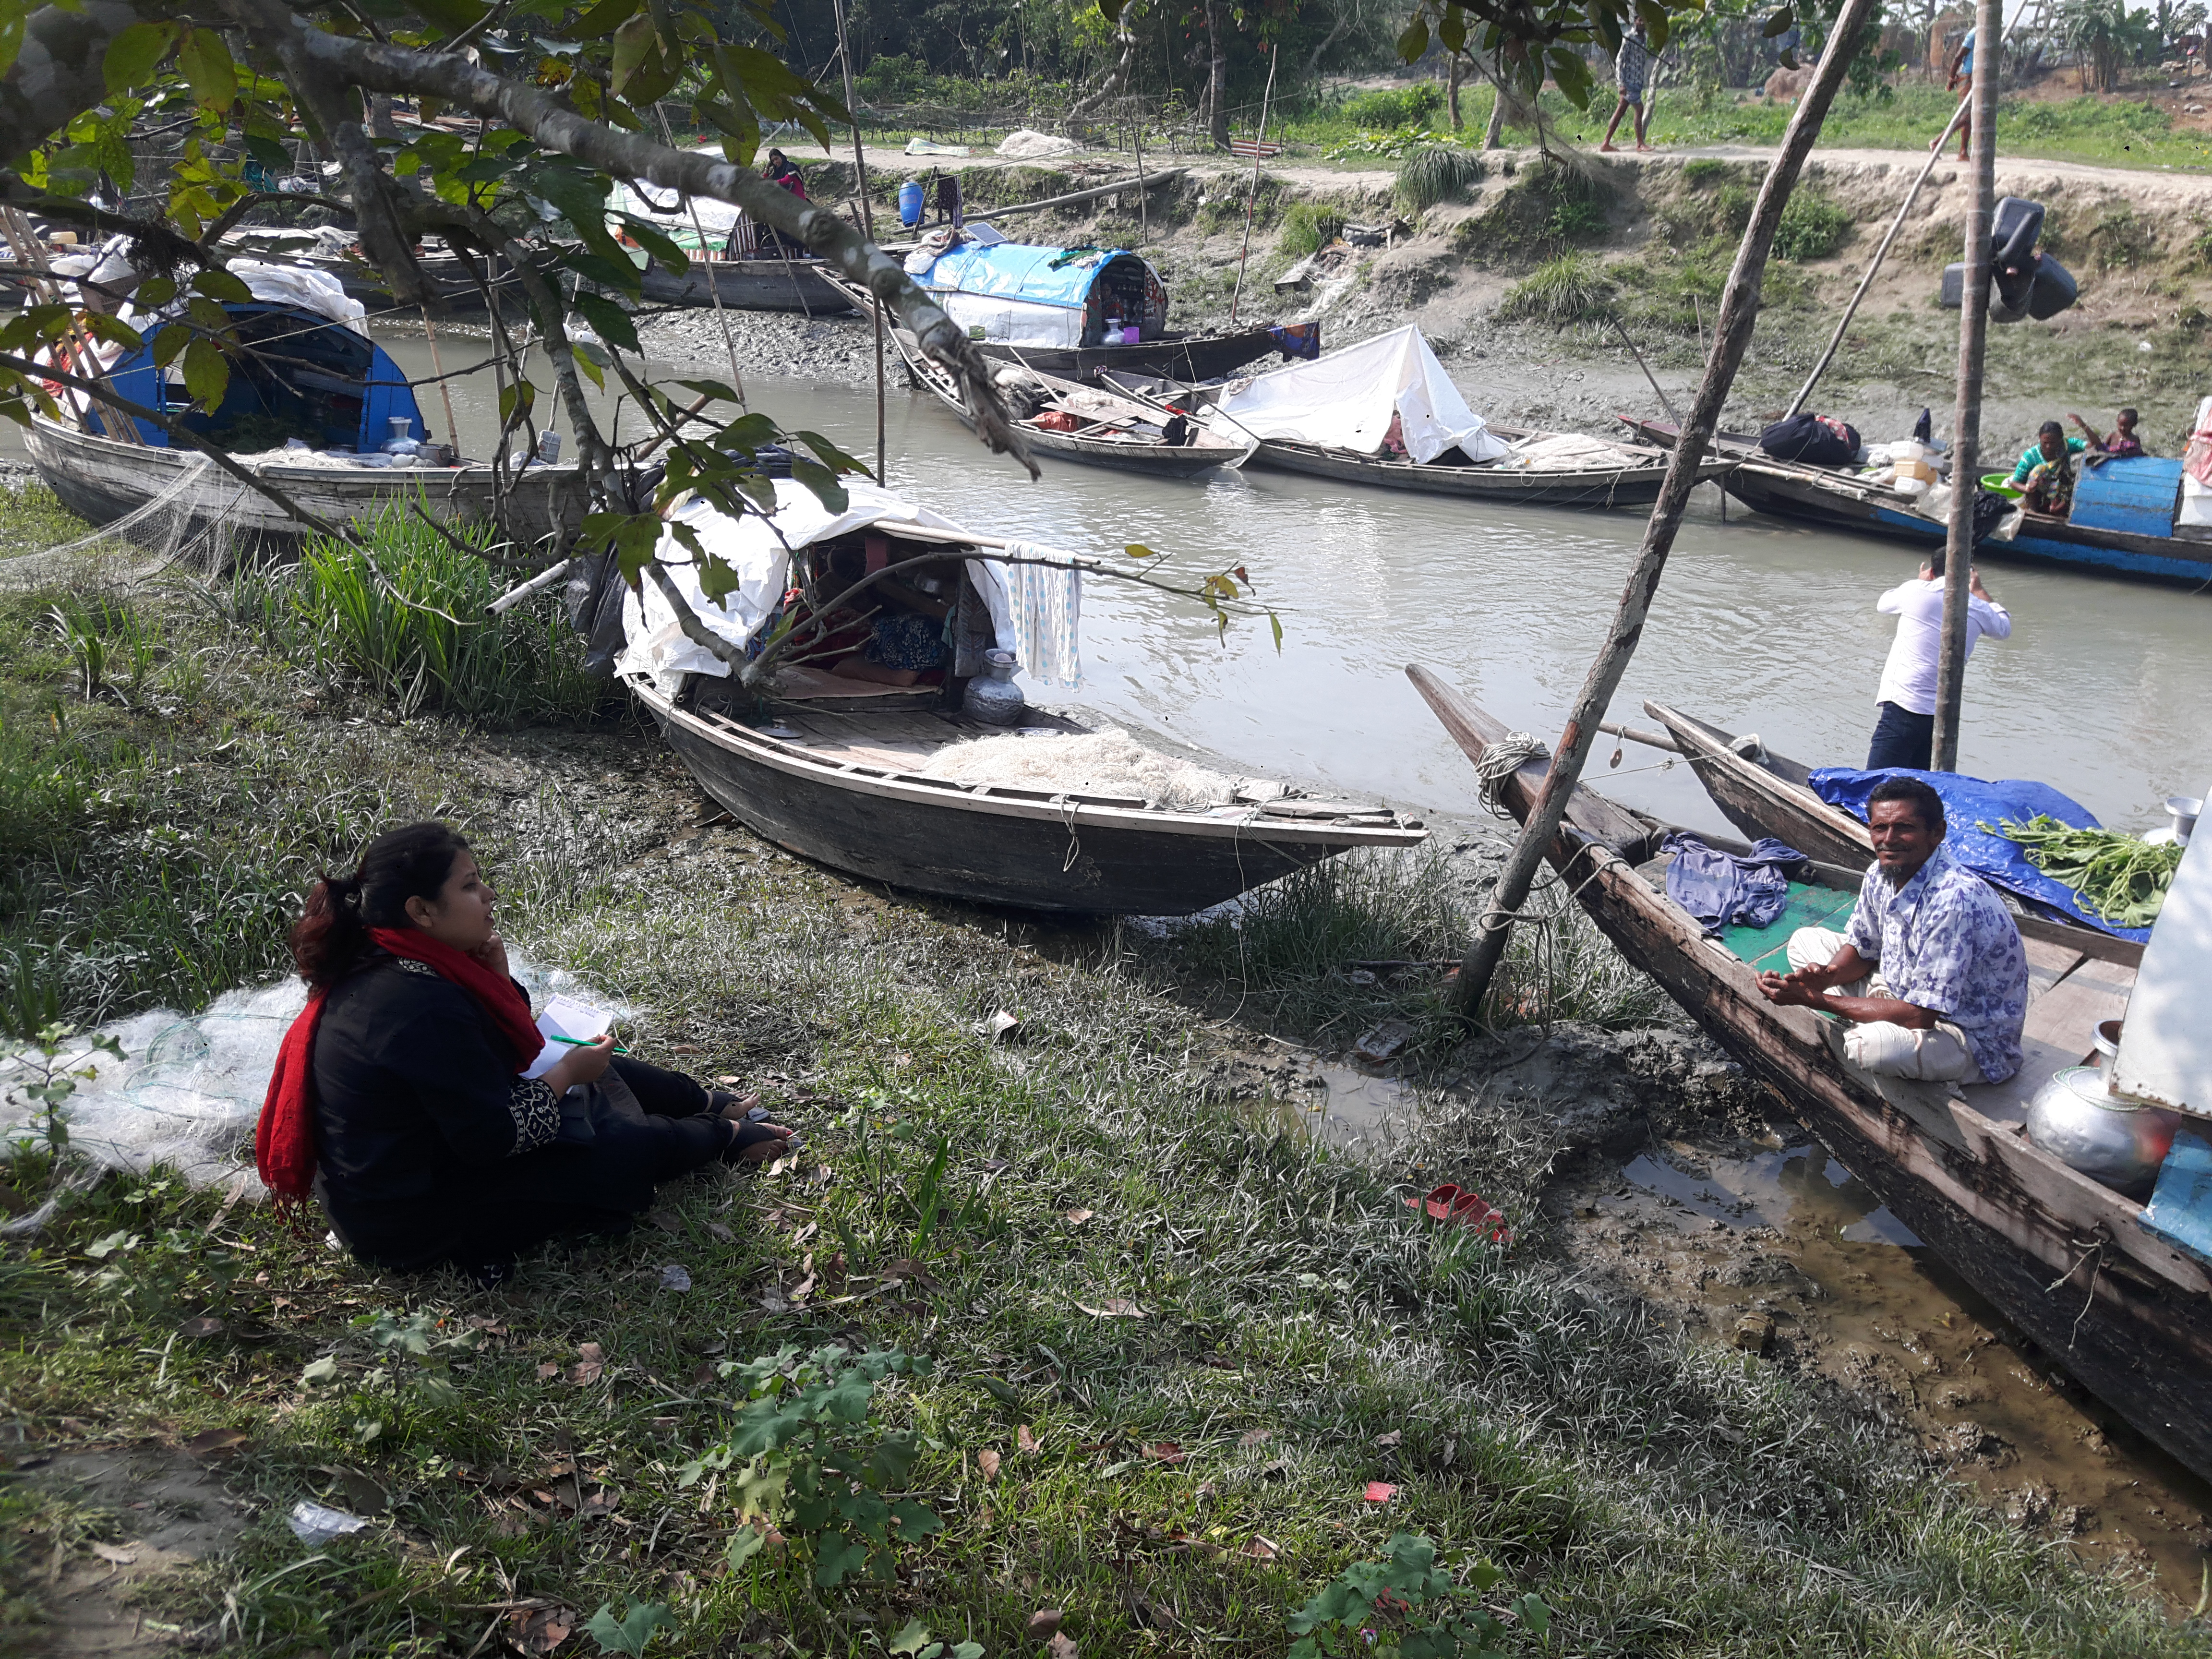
(1381, 1491)
(1452, 1203)
(1439, 1204)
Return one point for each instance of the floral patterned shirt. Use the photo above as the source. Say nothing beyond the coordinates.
(1945, 943)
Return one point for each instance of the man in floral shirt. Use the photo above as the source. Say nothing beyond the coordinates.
(1951, 994)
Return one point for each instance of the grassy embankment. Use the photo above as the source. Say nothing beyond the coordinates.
(1170, 1342)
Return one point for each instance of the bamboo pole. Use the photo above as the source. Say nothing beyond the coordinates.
(1967, 426)
(1881, 254)
(445, 387)
(1252, 206)
(868, 224)
(1731, 335)
(713, 282)
(1139, 182)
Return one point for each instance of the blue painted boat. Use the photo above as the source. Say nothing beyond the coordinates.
(2126, 530)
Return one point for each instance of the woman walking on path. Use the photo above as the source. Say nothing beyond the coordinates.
(1633, 68)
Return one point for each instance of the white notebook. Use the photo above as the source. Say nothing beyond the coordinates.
(565, 1017)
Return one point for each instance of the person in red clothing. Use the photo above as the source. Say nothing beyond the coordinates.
(779, 171)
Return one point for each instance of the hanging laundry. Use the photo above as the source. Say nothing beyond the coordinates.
(1038, 609)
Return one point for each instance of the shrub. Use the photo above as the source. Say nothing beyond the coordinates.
(1398, 106)
(2122, 239)
(1698, 175)
(1307, 228)
(412, 623)
(1549, 209)
(1813, 227)
(1560, 292)
(1436, 172)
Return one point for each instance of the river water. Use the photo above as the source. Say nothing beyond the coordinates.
(2102, 690)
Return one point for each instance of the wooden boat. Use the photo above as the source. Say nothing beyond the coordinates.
(1835, 500)
(844, 788)
(1174, 357)
(748, 285)
(1764, 793)
(103, 479)
(1633, 481)
(1119, 431)
(2062, 1257)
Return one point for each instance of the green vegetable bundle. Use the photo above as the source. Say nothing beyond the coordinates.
(2117, 878)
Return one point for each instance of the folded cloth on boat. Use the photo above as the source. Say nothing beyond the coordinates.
(1721, 890)
(1970, 801)
(1036, 611)
(1563, 452)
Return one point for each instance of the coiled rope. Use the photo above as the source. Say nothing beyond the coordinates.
(1500, 761)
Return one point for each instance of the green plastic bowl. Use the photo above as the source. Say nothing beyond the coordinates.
(2002, 483)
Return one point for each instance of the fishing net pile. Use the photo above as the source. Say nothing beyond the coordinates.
(1109, 763)
(180, 528)
(189, 1087)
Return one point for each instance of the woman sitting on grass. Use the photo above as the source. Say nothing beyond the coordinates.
(399, 1098)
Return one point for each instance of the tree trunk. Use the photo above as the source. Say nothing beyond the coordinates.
(1217, 75)
(1494, 134)
(1452, 91)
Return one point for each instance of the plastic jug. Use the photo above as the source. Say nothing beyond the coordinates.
(402, 440)
(910, 203)
(992, 697)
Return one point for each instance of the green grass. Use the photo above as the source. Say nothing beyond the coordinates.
(1561, 292)
(1308, 227)
(1436, 172)
(1813, 226)
(1297, 1334)
(1551, 207)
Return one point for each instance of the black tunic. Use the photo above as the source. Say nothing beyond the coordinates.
(431, 1148)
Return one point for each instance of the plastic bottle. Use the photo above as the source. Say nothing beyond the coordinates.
(548, 447)
(402, 440)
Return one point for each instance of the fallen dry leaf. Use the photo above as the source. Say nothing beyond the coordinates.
(666, 1220)
(1254, 1438)
(1114, 1307)
(1381, 1491)
(907, 1268)
(1261, 1549)
(1044, 1623)
(1026, 1439)
(1079, 1217)
(216, 1442)
(547, 1373)
(120, 1558)
(987, 1461)
(1167, 1451)
(721, 1232)
(196, 1330)
(1390, 1439)
(1059, 1648)
(591, 1363)
(540, 1629)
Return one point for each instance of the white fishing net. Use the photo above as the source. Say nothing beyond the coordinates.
(186, 527)
(189, 1087)
(1109, 763)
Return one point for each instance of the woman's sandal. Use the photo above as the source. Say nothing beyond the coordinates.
(751, 1134)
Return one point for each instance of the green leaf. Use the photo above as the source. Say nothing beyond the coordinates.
(101, 326)
(207, 373)
(168, 340)
(656, 241)
(609, 321)
(206, 62)
(1780, 23)
(1452, 30)
(1276, 623)
(319, 1373)
(1415, 40)
(631, 1632)
(136, 52)
(831, 494)
(718, 579)
(632, 42)
(835, 1556)
(450, 16)
(912, 1639)
(603, 19)
(714, 389)
(222, 287)
(1139, 550)
(745, 1543)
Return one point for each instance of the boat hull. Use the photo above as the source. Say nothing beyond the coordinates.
(746, 285)
(1187, 357)
(1813, 496)
(2062, 1258)
(1024, 850)
(1637, 486)
(101, 481)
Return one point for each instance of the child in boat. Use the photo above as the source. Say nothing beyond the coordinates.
(2119, 445)
(1932, 977)
(401, 1098)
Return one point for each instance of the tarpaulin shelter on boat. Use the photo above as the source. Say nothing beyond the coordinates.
(308, 371)
(1348, 399)
(1026, 295)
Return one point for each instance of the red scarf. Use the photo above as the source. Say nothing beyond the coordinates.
(284, 1139)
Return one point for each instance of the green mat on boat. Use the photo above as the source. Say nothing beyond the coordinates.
(1766, 948)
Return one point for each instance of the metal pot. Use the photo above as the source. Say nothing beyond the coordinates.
(2106, 1137)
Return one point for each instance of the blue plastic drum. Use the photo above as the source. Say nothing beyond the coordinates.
(910, 204)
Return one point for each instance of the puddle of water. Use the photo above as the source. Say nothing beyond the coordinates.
(1785, 1230)
(1344, 1103)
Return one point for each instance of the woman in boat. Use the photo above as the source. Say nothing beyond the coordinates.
(404, 1098)
(2051, 444)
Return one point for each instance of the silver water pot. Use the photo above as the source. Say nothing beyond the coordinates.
(2106, 1137)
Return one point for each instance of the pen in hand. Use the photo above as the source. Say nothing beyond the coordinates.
(583, 1042)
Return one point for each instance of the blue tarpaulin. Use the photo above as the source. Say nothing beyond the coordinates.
(1970, 801)
(1018, 271)
(1722, 890)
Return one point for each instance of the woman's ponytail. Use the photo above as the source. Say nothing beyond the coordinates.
(333, 927)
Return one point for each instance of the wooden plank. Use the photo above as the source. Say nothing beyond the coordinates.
(2047, 964)
(2067, 1016)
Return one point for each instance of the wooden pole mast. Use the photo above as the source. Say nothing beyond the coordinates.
(1731, 335)
(1966, 429)
(867, 223)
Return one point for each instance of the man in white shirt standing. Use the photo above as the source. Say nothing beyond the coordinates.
(1906, 734)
